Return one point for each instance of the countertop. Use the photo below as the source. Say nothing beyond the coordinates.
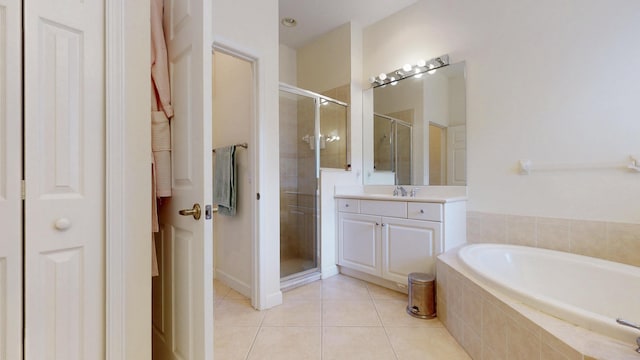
(436, 194)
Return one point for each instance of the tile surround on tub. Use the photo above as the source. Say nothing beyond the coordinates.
(490, 326)
(618, 242)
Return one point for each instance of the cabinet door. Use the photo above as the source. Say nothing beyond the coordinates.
(409, 246)
(64, 149)
(359, 242)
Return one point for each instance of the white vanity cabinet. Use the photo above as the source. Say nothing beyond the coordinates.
(360, 243)
(409, 246)
(390, 239)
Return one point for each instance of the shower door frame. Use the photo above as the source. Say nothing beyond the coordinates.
(394, 148)
(317, 99)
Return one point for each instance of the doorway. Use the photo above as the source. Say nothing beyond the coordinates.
(437, 155)
(234, 123)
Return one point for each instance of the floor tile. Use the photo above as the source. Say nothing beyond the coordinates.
(353, 343)
(344, 288)
(232, 294)
(349, 313)
(338, 318)
(284, 343)
(382, 293)
(424, 343)
(393, 313)
(220, 289)
(295, 313)
(232, 312)
(233, 342)
(312, 291)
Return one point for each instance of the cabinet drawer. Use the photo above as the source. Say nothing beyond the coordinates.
(384, 208)
(348, 205)
(424, 211)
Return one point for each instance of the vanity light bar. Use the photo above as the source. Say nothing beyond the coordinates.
(409, 70)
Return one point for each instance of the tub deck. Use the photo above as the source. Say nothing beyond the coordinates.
(491, 325)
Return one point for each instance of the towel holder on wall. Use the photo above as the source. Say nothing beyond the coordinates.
(525, 167)
(244, 145)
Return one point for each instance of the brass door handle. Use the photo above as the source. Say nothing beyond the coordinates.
(195, 211)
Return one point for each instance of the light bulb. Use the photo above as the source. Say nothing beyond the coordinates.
(406, 67)
(382, 76)
(393, 81)
(372, 79)
(421, 63)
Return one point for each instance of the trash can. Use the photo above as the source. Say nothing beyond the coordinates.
(422, 299)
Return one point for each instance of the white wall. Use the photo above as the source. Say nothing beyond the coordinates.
(457, 101)
(324, 63)
(553, 82)
(251, 26)
(288, 65)
(436, 100)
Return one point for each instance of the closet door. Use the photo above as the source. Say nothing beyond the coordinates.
(64, 172)
(10, 175)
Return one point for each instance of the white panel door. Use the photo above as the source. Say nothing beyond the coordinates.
(359, 242)
(457, 155)
(409, 246)
(10, 176)
(188, 243)
(64, 172)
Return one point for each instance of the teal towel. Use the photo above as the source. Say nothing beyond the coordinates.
(225, 181)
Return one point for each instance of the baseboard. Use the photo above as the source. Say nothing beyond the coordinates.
(330, 271)
(273, 300)
(233, 282)
(374, 279)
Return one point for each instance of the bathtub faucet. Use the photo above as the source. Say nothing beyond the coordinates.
(630, 324)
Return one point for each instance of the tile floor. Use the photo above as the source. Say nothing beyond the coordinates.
(337, 318)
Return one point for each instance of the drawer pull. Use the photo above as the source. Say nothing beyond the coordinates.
(346, 205)
(421, 211)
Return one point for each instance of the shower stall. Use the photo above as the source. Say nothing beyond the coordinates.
(393, 147)
(313, 134)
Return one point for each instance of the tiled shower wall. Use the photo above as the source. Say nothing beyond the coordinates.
(619, 242)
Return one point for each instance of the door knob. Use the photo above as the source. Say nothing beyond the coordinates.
(62, 224)
(195, 212)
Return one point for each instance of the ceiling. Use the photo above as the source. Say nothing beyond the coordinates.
(316, 17)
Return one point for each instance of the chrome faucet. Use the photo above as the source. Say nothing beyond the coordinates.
(400, 190)
(630, 324)
(413, 192)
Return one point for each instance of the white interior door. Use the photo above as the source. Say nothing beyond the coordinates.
(457, 155)
(10, 176)
(64, 172)
(187, 243)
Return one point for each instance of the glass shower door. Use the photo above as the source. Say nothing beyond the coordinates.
(298, 185)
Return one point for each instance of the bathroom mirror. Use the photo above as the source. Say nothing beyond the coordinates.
(414, 132)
